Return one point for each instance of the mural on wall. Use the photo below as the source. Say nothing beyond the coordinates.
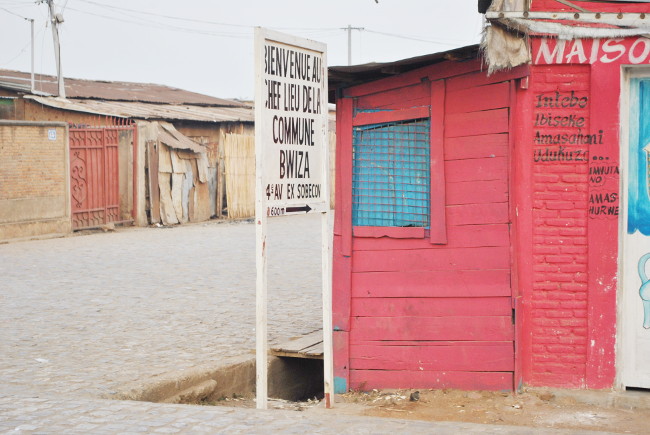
(644, 291)
(639, 166)
(638, 218)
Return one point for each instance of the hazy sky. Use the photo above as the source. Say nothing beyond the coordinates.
(207, 45)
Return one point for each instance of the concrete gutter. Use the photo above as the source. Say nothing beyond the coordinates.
(289, 379)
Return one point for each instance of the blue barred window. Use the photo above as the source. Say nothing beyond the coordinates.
(391, 174)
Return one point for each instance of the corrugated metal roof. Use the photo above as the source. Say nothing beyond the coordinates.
(112, 91)
(344, 76)
(127, 109)
(173, 138)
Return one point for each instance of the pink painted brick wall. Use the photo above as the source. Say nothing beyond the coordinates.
(560, 205)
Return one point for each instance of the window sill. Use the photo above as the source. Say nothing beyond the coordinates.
(392, 232)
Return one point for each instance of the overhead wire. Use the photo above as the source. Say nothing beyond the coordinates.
(16, 7)
(317, 34)
(16, 3)
(194, 20)
(13, 13)
(411, 38)
(22, 50)
(318, 31)
(163, 26)
(323, 32)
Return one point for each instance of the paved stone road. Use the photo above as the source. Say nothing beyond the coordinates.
(37, 415)
(88, 314)
(83, 316)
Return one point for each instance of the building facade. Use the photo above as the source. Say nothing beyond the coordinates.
(140, 153)
(492, 228)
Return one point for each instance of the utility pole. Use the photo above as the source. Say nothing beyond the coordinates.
(350, 29)
(55, 20)
(33, 86)
(31, 21)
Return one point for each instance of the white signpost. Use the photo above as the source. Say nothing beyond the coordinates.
(292, 167)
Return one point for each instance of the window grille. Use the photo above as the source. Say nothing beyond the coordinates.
(391, 174)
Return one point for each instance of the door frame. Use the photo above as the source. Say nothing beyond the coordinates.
(628, 73)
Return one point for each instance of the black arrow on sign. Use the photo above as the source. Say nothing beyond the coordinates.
(306, 209)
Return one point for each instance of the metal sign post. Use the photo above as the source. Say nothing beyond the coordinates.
(292, 166)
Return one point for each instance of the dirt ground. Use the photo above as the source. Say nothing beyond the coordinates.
(533, 408)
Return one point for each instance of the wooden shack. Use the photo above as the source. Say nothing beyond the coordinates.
(422, 244)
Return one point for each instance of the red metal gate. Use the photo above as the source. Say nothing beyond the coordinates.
(94, 175)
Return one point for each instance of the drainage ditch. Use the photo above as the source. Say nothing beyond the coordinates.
(294, 383)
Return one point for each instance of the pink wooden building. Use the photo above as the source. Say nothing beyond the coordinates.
(492, 230)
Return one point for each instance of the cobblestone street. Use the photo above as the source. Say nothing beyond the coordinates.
(87, 314)
(84, 316)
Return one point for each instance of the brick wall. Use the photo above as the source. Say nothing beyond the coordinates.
(33, 111)
(33, 179)
(561, 142)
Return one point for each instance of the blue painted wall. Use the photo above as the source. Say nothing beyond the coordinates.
(639, 188)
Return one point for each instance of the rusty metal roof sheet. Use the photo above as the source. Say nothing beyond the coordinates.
(149, 111)
(344, 76)
(111, 91)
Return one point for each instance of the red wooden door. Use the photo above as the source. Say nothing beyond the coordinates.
(94, 176)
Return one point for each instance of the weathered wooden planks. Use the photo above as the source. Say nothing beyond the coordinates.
(476, 123)
(476, 147)
(411, 260)
(431, 307)
(341, 282)
(478, 214)
(167, 213)
(461, 236)
(433, 72)
(496, 357)
(477, 192)
(394, 233)
(391, 116)
(494, 96)
(432, 283)
(341, 344)
(344, 166)
(495, 168)
(478, 80)
(307, 346)
(409, 96)
(422, 343)
(449, 328)
(154, 188)
(365, 380)
(438, 217)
